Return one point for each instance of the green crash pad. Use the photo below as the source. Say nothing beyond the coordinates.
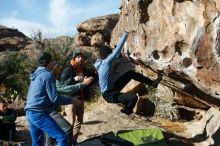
(143, 137)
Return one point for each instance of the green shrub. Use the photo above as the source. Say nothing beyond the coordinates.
(163, 108)
(15, 69)
(59, 51)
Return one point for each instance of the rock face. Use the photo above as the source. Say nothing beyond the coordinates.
(82, 39)
(12, 39)
(182, 38)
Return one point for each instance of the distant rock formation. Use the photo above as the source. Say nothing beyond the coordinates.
(96, 31)
(12, 39)
(182, 38)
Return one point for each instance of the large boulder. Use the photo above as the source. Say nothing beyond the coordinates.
(179, 37)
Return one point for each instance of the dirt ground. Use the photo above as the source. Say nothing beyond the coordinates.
(103, 118)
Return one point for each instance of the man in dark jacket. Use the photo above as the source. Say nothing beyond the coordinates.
(7, 121)
(74, 74)
(65, 90)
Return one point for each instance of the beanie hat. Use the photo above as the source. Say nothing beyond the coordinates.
(76, 53)
(44, 59)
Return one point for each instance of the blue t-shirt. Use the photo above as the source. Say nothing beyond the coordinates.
(104, 67)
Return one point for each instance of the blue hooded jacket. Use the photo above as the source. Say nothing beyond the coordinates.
(42, 94)
(104, 67)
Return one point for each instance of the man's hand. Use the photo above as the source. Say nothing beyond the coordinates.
(88, 80)
(79, 78)
(1, 119)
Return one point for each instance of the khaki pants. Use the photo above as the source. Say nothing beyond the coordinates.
(74, 115)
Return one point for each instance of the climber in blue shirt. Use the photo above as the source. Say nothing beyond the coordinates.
(111, 90)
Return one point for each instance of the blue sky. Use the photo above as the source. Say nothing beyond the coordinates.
(52, 17)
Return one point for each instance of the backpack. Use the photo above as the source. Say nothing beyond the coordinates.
(152, 136)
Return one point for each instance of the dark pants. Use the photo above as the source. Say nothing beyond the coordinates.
(64, 125)
(7, 130)
(127, 99)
